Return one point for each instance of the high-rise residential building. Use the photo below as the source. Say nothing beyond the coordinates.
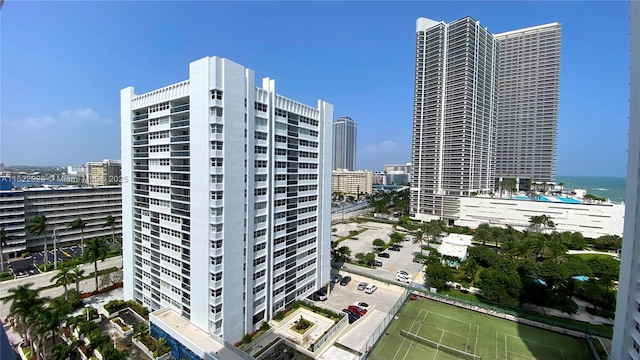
(105, 172)
(528, 87)
(626, 332)
(227, 214)
(453, 150)
(344, 143)
(351, 183)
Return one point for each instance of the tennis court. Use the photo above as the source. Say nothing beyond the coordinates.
(426, 329)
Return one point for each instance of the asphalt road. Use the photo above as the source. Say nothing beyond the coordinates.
(41, 280)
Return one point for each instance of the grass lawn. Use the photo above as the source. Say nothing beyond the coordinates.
(591, 256)
(483, 335)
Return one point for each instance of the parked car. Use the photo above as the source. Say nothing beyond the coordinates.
(370, 288)
(351, 313)
(358, 310)
(363, 305)
(345, 280)
(394, 248)
(336, 278)
(384, 255)
(404, 278)
(402, 272)
(320, 295)
(352, 317)
(362, 286)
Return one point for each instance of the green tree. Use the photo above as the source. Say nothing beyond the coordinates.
(482, 234)
(97, 249)
(470, 269)
(79, 224)
(436, 273)
(63, 278)
(500, 286)
(161, 347)
(3, 242)
(379, 243)
(24, 302)
(433, 229)
(37, 225)
(110, 222)
(342, 254)
(62, 351)
(418, 238)
(77, 276)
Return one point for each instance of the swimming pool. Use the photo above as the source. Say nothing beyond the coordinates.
(548, 199)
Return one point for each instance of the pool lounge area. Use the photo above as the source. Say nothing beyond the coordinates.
(556, 199)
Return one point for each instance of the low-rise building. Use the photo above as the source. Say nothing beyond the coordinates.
(591, 219)
(60, 206)
(105, 172)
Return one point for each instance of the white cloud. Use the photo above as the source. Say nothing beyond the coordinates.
(36, 122)
(84, 115)
(386, 145)
(67, 116)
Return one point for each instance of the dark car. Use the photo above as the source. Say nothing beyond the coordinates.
(384, 255)
(394, 248)
(345, 280)
(336, 278)
(352, 315)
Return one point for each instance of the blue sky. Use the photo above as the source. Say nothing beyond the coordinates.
(63, 65)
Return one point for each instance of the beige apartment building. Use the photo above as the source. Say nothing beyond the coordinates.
(105, 172)
(351, 183)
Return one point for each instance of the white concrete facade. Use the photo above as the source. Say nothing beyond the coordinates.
(60, 205)
(626, 332)
(592, 220)
(344, 143)
(225, 221)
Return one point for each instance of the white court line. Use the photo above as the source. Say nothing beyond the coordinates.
(506, 354)
(533, 342)
(404, 338)
(468, 334)
(439, 342)
(417, 332)
(444, 316)
(475, 349)
(496, 345)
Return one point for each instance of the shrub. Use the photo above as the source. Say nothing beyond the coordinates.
(246, 338)
(264, 326)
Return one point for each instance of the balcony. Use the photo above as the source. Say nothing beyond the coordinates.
(180, 124)
(140, 117)
(180, 154)
(180, 168)
(140, 142)
(140, 130)
(184, 138)
(180, 108)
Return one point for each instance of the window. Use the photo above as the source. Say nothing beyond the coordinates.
(216, 111)
(260, 246)
(261, 149)
(280, 112)
(261, 135)
(260, 106)
(261, 163)
(159, 107)
(260, 192)
(216, 94)
(216, 179)
(216, 195)
(216, 211)
(260, 219)
(261, 177)
(216, 128)
(216, 145)
(261, 121)
(261, 205)
(216, 162)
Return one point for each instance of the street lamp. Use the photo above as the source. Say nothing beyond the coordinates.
(55, 250)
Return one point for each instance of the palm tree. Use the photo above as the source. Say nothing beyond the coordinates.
(24, 302)
(418, 238)
(64, 277)
(97, 249)
(482, 233)
(77, 275)
(432, 230)
(62, 351)
(79, 224)
(48, 321)
(3, 242)
(38, 226)
(470, 268)
(110, 221)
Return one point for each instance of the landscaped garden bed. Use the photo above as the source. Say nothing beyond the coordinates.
(122, 328)
(114, 307)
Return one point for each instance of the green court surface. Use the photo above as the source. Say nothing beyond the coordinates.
(490, 338)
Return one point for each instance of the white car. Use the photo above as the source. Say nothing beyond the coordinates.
(363, 305)
(370, 288)
(402, 272)
(406, 279)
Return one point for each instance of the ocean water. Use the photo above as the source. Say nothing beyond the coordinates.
(612, 188)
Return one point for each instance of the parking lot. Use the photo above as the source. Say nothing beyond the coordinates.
(28, 266)
(398, 260)
(383, 299)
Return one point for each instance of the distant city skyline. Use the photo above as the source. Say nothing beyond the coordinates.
(364, 67)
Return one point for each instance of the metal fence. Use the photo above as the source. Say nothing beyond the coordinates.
(382, 327)
(592, 347)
